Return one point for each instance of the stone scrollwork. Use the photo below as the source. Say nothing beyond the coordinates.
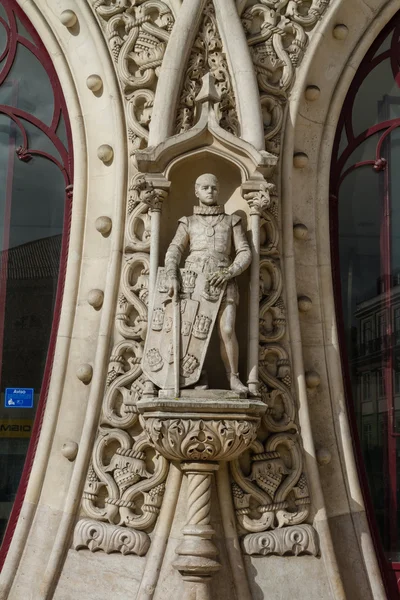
(126, 479)
(302, 539)
(274, 492)
(207, 56)
(274, 364)
(277, 33)
(269, 488)
(125, 483)
(94, 536)
(275, 373)
(137, 34)
(116, 485)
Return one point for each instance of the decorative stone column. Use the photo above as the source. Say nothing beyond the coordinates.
(258, 198)
(200, 429)
(153, 190)
(197, 553)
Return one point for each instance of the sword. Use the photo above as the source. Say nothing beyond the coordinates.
(177, 342)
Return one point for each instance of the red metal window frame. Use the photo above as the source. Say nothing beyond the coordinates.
(380, 164)
(64, 162)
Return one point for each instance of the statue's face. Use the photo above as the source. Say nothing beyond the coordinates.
(207, 192)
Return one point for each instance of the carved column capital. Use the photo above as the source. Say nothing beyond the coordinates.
(258, 199)
(150, 190)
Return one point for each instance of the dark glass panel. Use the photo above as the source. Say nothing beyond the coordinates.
(366, 183)
(367, 108)
(34, 174)
(34, 93)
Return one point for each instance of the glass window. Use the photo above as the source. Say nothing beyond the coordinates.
(366, 387)
(35, 190)
(367, 331)
(380, 383)
(396, 376)
(396, 325)
(365, 188)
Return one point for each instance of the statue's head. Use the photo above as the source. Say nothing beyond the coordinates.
(206, 189)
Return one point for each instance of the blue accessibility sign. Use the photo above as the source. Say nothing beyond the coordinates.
(19, 398)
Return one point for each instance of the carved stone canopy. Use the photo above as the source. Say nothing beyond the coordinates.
(207, 134)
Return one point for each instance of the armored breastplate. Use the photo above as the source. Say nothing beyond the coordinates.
(211, 234)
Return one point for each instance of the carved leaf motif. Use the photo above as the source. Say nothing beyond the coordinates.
(207, 56)
(133, 493)
(137, 33)
(187, 439)
(302, 539)
(95, 536)
(277, 33)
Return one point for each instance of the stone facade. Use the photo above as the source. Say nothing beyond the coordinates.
(133, 497)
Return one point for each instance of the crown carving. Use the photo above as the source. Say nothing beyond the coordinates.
(188, 281)
(211, 292)
(158, 319)
(189, 365)
(201, 327)
(155, 359)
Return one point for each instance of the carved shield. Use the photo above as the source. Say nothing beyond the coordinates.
(199, 306)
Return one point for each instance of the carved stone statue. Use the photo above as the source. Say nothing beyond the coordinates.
(206, 290)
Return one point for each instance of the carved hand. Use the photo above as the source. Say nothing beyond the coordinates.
(219, 277)
(174, 286)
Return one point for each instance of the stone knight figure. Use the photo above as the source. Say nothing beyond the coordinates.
(218, 248)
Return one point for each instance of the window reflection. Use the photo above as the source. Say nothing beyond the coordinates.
(365, 187)
(35, 178)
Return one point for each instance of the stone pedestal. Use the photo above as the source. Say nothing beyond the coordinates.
(199, 429)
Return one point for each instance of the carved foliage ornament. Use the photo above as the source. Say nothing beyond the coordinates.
(207, 56)
(277, 33)
(186, 439)
(270, 488)
(274, 491)
(301, 539)
(137, 32)
(100, 536)
(126, 479)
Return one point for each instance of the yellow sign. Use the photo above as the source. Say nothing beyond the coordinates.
(15, 428)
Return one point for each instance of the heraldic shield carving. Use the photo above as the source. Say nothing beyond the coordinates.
(198, 307)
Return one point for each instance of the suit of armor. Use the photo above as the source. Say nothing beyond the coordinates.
(217, 247)
(211, 235)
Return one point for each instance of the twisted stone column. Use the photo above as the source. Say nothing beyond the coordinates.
(197, 553)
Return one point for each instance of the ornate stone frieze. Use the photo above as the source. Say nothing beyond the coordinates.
(270, 488)
(126, 479)
(300, 539)
(119, 488)
(207, 56)
(94, 536)
(137, 34)
(277, 33)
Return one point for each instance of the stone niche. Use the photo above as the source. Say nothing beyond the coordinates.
(180, 202)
